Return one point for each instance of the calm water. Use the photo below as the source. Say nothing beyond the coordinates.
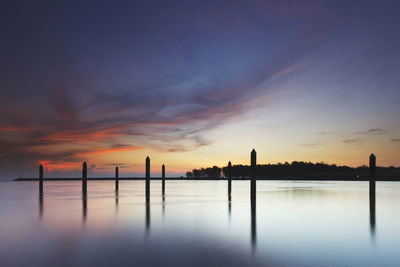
(296, 223)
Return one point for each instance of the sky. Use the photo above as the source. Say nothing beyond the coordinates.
(196, 83)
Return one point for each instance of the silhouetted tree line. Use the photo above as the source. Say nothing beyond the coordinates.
(296, 169)
(211, 172)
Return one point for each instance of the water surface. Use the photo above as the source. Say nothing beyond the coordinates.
(294, 223)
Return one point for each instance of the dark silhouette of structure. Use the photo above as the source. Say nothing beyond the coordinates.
(116, 180)
(372, 175)
(84, 178)
(41, 180)
(372, 194)
(84, 192)
(253, 190)
(229, 175)
(163, 179)
(147, 180)
(253, 177)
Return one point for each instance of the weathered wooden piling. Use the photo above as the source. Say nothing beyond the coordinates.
(147, 180)
(372, 179)
(163, 179)
(41, 180)
(116, 179)
(84, 178)
(229, 174)
(372, 174)
(253, 176)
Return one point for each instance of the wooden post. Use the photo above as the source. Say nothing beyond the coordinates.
(41, 180)
(253, 176)
(229, 180)
(163, 179)
(372, 179)
(372, 173)
(116, 179)
(84, 178)
(147, 180)
(253, 197)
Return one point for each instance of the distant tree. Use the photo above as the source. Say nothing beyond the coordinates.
(214, 172)
(196, 173)
(203, 173)
(189, 174)
(290, 170)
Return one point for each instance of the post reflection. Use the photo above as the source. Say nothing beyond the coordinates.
(116, 202)
(84, 209)
(229, 206)
(147, 218)
(253, 225)
(163, 206)
(372, 218)
(40, 206)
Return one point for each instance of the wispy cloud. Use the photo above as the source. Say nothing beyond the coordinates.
(326, 133)
(311, 145)
(372, 131)
(354, 141)
(395, 140)
(161, 97)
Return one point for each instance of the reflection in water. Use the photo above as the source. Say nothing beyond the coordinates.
(64, 232)
(147, 218)
(84, 208)
(40, 206)
(372, 214)
(116, 202)
(229, 206)
(163, 206)
(253, 224)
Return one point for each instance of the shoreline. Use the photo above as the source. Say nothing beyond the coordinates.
(205, 179)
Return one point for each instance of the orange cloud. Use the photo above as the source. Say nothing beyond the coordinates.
(80, 135)
(50, 166)
(109, 150)
(16, 128)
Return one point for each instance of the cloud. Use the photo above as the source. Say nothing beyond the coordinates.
(107, 151)
(395, 140)
(372, 131)
(61, 102)
(325, 133)
(310, 145)
(356, 141)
